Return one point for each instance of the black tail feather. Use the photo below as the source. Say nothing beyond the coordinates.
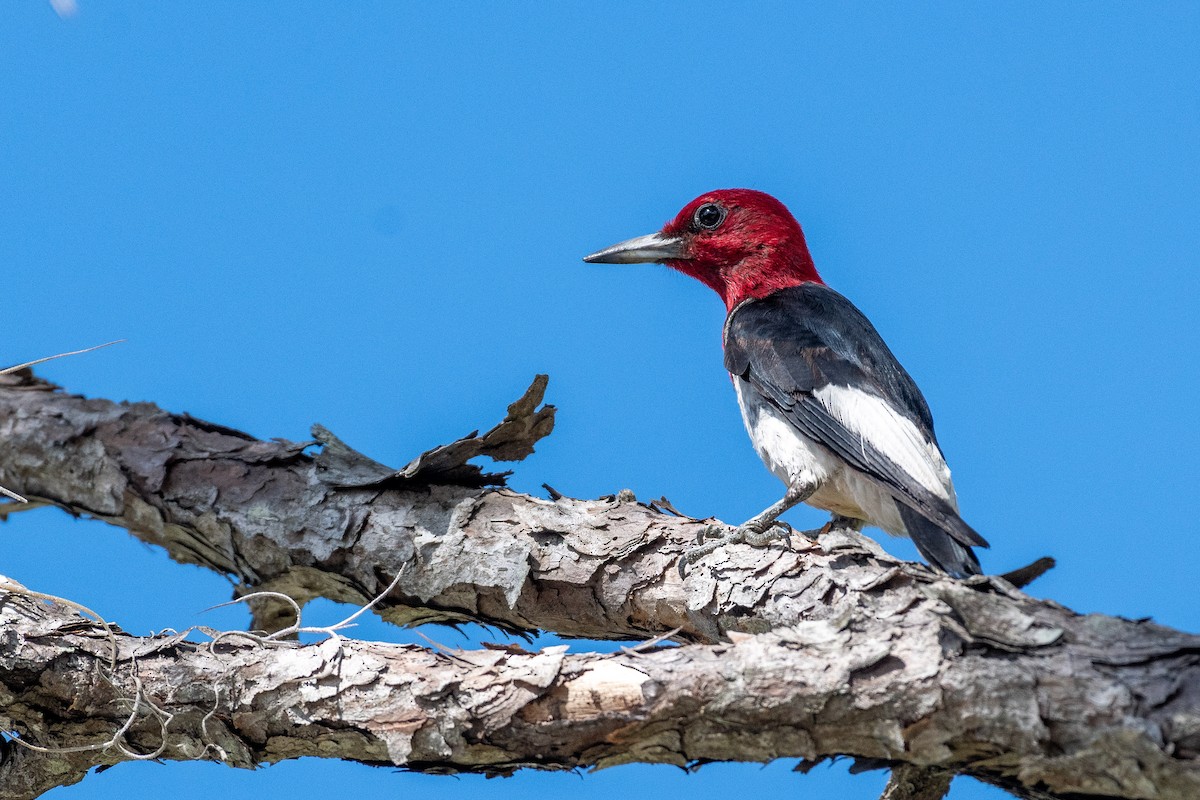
(938, 547)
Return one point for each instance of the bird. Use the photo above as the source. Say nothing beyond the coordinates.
(829, 409)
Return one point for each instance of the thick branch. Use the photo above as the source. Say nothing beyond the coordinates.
(868, 656)
(340, 526)
(1063, 719)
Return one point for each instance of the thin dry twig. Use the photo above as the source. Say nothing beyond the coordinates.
(445, 650)
(12, 495)
(641, 647)
(35, 362)
(296, 627)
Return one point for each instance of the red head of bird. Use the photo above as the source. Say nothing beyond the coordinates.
(740, 242)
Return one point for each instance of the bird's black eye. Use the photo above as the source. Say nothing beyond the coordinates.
(709, 216)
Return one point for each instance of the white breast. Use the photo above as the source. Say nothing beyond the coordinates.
(789, 454)
(793, 457)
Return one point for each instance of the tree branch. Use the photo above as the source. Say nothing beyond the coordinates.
(811, 691)
(834, 649)
(340, 526)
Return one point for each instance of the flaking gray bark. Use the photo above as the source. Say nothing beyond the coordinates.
(831, 649)
(277, 518)
(906, 689)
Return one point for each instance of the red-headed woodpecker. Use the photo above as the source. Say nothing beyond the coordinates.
(829, 409)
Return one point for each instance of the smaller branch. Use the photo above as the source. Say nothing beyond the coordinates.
(965, 684)
(339, 525)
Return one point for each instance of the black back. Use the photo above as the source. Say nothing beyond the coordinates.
(795, 341)
(809, 336)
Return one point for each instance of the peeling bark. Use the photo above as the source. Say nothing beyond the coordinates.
(1062, 719)
(340, 526)
(835, 649)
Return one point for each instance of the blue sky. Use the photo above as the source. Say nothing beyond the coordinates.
(371, 215)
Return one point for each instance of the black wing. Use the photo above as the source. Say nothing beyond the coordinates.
(797, 340)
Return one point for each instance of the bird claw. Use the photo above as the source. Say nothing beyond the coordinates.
(748, 533)
(776, 530)
(695, 554)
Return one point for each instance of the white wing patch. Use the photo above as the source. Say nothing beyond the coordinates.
(892, 434)
(793, 456)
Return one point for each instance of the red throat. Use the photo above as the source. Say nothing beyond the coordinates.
(753, 280)
(757, 249)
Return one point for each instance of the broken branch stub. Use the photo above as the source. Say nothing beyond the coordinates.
(512, 440)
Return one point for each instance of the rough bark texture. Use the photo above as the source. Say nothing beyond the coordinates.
(836, 649)
(277, 518)
(1065, 719)
(340, 526)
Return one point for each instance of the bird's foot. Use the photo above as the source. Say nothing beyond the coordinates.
(776, 530)
(751, 533)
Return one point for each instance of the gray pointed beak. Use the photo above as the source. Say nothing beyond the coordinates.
(643, 249)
